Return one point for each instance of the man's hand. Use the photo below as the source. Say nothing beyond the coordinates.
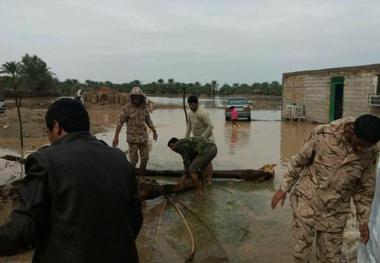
(181, 182)
(115, 141)
(277, 197)
(155, 136)
(364, 232)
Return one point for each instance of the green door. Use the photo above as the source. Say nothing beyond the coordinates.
(336, 98)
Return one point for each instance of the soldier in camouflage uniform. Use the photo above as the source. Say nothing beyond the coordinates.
(136, 115)
(336, 164)
(196, 153)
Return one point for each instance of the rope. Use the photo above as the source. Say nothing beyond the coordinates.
(160, 220)
(205, 225)
(190, 257)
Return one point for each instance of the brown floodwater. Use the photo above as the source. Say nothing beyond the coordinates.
(234, 220)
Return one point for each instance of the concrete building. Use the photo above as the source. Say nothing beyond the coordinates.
(329, 94)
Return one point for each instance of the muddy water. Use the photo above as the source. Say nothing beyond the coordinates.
(234, 220)
(237, 213)
(258, 102)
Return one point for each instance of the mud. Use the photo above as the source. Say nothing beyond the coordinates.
(234, 220)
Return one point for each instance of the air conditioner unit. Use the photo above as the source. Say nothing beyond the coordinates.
(295, 112)
(299, 112)
(374, 100)
(289, 111)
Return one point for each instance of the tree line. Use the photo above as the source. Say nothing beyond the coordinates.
(34, 78)
(30, 75)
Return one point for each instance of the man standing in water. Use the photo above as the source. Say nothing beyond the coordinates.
(199, 123)
(135, 114)
(336, 164)
(197, 154)
(78, 200)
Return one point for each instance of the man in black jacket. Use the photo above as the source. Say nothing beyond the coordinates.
(79, 199)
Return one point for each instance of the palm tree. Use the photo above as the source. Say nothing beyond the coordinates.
(35, 72)
(13, 68)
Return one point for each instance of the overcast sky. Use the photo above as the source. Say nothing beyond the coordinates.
(196, 40)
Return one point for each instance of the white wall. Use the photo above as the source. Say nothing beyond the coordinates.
(371, 252)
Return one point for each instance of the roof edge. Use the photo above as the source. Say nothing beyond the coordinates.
(334, 70)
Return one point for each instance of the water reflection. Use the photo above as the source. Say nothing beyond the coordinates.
(237, 213)
(233, 140)
(253, 144)
(238, 137)
(293, 136)
(266, 115)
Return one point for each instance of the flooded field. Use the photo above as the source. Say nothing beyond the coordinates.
(234, 221)
(237, 214)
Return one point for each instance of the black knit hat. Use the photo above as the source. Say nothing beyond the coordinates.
(192, 99)
(367, 128)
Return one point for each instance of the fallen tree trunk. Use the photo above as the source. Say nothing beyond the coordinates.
(13, 158)
(150, 189)
(263, 174)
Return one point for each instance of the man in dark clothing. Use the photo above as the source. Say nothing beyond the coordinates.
(196, 153)
(79, 198)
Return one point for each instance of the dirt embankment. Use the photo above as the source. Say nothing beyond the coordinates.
(34, 127)
(33, 121)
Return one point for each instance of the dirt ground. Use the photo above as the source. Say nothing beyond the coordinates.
(34, 128)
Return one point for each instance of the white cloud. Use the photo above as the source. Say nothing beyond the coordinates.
(230, 41)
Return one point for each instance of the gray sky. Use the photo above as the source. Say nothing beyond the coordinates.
(196, 40)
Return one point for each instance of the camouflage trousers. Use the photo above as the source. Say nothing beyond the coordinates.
(138, 148)
(328, 245)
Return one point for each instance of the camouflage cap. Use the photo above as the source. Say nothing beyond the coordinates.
(137, 91)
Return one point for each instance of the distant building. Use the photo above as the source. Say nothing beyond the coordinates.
(329, 94)
(105, 95)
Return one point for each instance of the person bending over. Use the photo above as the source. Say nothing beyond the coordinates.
(197, 154)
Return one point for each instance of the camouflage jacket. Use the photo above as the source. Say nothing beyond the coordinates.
(136, 118)
(326, 173)
(190, 148)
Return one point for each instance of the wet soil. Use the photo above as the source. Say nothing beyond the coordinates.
(234, 220)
